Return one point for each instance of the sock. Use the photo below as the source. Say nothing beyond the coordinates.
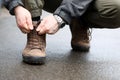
(36, 18)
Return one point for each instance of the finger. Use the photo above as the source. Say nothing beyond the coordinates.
(42, 24)
(29, 23)
(25, 31)
(25, 26)
(42, 28)
(22, 23)
(42, 31)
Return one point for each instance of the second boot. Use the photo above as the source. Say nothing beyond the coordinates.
(80, 36)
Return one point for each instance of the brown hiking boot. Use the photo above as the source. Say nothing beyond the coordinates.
(34, 52)
(80, 36)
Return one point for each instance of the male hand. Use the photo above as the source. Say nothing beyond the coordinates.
(48, 25)
(23, 19)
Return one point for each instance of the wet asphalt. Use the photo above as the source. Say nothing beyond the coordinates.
(102, 62)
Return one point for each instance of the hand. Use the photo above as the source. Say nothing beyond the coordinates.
(23, 19)
(48, 25)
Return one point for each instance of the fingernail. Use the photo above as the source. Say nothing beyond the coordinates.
(37, 29)
(31, 28)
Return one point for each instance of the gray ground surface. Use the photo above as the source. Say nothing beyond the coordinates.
(102, 62)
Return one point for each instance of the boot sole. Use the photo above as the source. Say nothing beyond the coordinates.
(80, 48)
(34, 60)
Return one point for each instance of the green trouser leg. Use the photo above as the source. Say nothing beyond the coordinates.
(103, 14)
(34, 6)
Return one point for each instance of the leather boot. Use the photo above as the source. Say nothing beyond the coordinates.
(80, 36)
(34, 52)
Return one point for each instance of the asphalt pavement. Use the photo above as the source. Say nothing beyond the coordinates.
(102, 62)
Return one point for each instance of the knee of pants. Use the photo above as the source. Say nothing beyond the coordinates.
(50, 7)
(108, 8)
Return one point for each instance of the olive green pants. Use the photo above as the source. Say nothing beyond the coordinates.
(101, 13)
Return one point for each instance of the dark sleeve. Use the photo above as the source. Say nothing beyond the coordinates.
(11, 4)
(72, 8)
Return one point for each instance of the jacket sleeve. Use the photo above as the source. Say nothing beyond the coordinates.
(72, 8)
(11, 4)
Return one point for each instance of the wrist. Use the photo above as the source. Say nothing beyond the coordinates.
(17, 9)
(60, 21)
(13, 4)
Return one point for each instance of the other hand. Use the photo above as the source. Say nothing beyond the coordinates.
(48, 25)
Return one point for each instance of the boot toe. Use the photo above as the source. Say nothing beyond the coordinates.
(34, 60)
(81, 47)
(34, 56)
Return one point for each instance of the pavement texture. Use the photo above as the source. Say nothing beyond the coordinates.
(102, 62)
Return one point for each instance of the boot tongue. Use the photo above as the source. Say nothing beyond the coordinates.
(36, 41)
